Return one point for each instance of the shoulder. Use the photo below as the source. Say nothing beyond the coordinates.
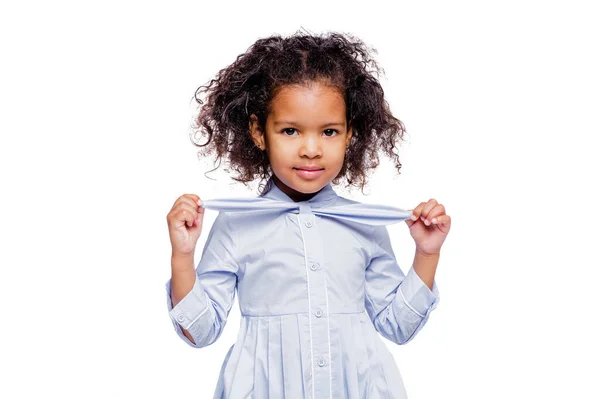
(222, 225)
(376, 231)
(345, 201)
(242, 221)
(370, 234)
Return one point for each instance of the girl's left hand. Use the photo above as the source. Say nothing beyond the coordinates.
(429, 226)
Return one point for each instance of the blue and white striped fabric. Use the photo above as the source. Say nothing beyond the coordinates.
(316, 281)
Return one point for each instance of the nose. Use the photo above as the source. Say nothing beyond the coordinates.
(311, 146)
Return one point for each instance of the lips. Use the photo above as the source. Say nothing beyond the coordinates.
(310, 168)
(309, 172)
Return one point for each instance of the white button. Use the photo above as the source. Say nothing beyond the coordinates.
(313, 266)
(321, 362)
(319, 313)
(180, 318)
(308, 224)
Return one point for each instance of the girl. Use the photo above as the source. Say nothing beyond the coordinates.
(315, 283)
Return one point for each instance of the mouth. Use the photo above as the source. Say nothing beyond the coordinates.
(309, 172)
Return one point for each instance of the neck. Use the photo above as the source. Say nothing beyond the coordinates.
(293, 194)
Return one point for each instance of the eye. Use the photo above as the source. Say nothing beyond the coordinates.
(287, 130)
(332, 131)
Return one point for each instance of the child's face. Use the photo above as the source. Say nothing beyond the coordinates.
(306, 128)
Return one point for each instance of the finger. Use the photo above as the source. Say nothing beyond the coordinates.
(191, 199)
(186, 217)
(180, 217)
(410, 222)
(416, 212)
(443, 222)
(185, 197)
(428, 207)
(434, 213)
(187, 214)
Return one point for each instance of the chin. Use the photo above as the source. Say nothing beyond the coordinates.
(304, 186)
(308, 186)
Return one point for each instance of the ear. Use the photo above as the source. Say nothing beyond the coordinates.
(255, 133)
(348, 137)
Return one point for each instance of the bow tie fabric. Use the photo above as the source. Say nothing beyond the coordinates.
(371, 214)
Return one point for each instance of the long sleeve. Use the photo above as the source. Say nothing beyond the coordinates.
(203, 311)
(398, 305)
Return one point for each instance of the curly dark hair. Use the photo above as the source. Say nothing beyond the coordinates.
(248, 85)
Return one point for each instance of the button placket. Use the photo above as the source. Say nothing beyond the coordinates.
(317, 300)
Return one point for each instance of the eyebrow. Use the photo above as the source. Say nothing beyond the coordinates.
(297, 124)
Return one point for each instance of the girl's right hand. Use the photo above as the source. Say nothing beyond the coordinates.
(185, 224)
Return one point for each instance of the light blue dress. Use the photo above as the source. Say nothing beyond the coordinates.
(316, 280)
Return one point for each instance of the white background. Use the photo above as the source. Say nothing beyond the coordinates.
(501, 105)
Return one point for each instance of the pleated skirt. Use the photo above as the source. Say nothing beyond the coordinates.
(275, 357)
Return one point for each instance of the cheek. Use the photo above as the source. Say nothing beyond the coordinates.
(282, 150)
(338, 153)
(278, 155)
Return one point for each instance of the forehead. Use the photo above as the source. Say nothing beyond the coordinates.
(308, 100)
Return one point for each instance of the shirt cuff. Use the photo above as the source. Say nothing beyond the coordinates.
(189, 310)
(417, 295)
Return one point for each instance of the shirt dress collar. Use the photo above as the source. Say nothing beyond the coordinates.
(325, 197)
